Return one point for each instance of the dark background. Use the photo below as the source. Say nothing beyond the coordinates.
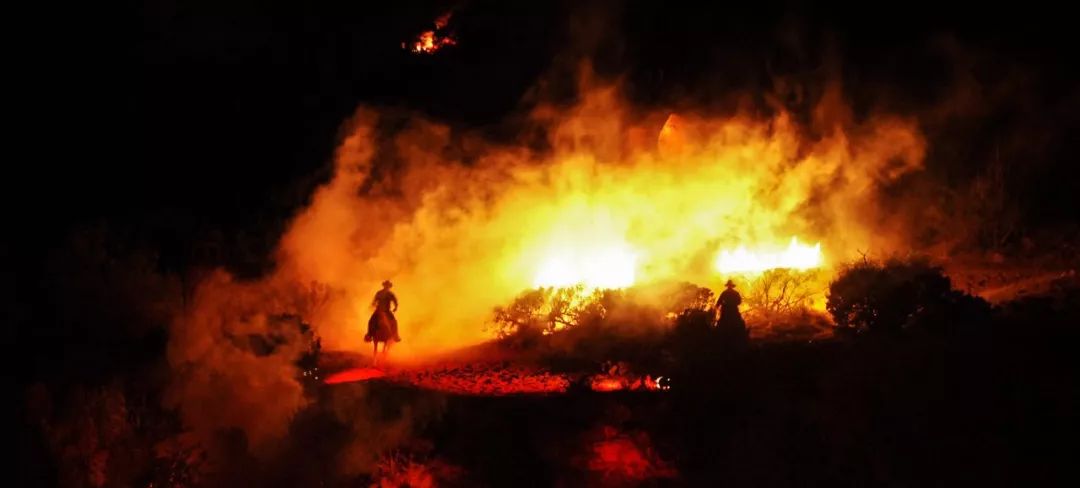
(171, 123)
(222, 111)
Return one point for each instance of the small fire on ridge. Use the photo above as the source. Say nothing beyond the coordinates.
(428, 42)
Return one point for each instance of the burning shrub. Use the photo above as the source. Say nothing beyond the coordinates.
(890, 296)
(618, 376)
(784, 291)
(546, 310)
(781, 302)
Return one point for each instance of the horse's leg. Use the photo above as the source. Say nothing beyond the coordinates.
(375, 352)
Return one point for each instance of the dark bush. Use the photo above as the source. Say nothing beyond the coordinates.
(887, 297)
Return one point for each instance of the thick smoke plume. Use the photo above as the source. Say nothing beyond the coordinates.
(461, 224)
(233, 356)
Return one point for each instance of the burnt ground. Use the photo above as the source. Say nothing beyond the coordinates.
(985, 404)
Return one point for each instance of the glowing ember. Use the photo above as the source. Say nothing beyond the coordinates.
(603, 268)
(796, 256)
(353, 375)
(488, 381)
(472, 379)
(430, 41)
(618, 376)
(607, 384)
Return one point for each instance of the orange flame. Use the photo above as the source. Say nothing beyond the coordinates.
(607, 206)
(795, 256)
(591, 266)
(618, 377)
(428, 42)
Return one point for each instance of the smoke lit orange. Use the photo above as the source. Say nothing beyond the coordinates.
(620, 198)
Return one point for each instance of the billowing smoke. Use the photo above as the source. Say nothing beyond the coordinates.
(233, 353)
(461, 224)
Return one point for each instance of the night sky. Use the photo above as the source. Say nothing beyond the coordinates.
(224, 114)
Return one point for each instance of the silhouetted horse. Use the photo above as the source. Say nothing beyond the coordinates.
(731, 326)
(380, 329)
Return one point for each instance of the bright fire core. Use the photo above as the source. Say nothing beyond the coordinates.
(795, 256)
(602, 268)
(616, 197)
(616, 267)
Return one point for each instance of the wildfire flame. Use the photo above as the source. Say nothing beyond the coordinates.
(611, 267)
(430, 41)
(618, 377)
(614, 267)
(795, 256)
(619, 199)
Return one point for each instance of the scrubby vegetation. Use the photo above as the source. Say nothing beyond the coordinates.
(913, 359)
(888, 297)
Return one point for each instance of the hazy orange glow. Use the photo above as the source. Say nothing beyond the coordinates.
(588, 265)
(618, 197)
